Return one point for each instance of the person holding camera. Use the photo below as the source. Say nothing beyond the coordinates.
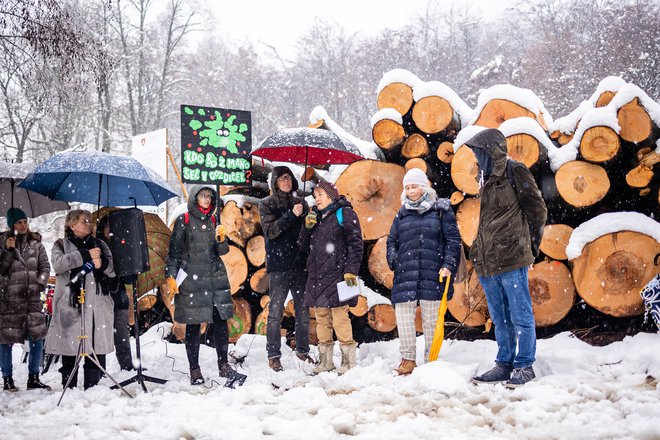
(333, 237)
(197, 243)
(24, 268)
(80, 261)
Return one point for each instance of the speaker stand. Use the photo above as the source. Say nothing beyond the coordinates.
(139, 377)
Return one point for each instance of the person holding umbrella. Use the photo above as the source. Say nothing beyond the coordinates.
(423, 251)
(80, 261)
(197, 243)
(24, 265)
(282, 215)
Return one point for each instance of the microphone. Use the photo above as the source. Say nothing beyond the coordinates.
(87, 268)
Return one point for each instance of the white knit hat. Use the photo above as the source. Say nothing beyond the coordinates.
(415, 176)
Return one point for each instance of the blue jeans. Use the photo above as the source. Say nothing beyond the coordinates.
(34, 358)
(510, 308)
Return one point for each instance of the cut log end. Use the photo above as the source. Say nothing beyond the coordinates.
(433, 114)
(416, 163)
(388, 134)
(555, 239)
(635, 122)
(378, 267)
(445, 152)
(497, 111)
(241, 322)
(599, 144)
(456, 198)
(464, 170)
(582, 184)
(552, 291)
(415, 146)
(467, 218)
(256, 251)
(524, 148)
(468, 304)
(237, 268)
(382, 318)
(398, 96)
(361, 309)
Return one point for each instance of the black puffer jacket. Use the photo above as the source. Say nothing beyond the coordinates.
(193, 249)
(333, 251)
(281, 226)
(24, 270)
(503, 241)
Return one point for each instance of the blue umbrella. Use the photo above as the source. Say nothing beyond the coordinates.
(98, 178)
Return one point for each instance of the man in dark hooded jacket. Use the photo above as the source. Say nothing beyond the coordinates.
(511, 223)
(282, 216)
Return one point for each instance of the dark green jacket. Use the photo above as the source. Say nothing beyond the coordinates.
(194, 249)
(510, 225)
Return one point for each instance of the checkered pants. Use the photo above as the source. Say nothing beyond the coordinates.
(405, 322)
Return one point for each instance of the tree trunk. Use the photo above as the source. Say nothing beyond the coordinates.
(382, 318)
(361, 308)
(552, 290)
(241, 223)
(582, 184)
(468, 305)
(434, 114)
(467, 218)
(464, 170)
(555, 239)
(445, 152)
(416, 145)
(398, 96)
(241, 322)
(599, 144)
(378, 267)
(374, 189)
(497, 111)
(612, 270)
(259, 281)
(237, 268)
(256, 250)
(524, 148)
(388, 135)
(635, 122)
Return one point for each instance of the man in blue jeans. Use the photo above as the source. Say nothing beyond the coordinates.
(511, 223)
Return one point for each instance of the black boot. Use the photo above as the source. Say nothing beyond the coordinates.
(34, 383)
(225, 370)
(9, 384)
(91, 377)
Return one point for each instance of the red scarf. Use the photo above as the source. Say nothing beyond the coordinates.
(206, 211)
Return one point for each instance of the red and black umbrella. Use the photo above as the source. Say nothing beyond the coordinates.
(308, 146)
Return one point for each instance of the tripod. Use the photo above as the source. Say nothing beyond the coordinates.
(139, 377)
(83, 348)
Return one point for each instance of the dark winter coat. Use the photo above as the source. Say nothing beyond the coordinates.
(419, 245)
(114, 285)
(334, 250)
(503, 241)
(193, 249)
(24, 270)
(281, 226)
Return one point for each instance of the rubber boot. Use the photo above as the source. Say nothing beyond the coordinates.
(325, 359)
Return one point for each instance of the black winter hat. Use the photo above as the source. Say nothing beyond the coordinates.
(14, 215)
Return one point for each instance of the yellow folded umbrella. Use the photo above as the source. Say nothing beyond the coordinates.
(439, 334)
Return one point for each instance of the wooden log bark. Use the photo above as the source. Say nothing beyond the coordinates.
(374, 189)
(554, 241)
(382, 318)
(416, 145)
(497, 111)
(241, 223)
(361, 308)
(464, 170)
(434, 114)
(241, 322)
(524, 148)
(467, 218)
(259, 281)
(378, 267)
(388, 135)
(468, 305)
(582, 184)
(635, 122)
(237, 268)
(552, 290)
(599, 144)
(255, 250)
(398, 96)
(612, 270)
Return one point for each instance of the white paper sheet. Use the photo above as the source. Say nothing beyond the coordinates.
(346, 292)
(180, 276)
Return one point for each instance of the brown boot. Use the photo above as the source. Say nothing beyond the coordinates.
(275, 364)
(196, 377)
(405, 367)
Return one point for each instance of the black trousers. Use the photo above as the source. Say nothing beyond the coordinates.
(220, 337)
(91, 373)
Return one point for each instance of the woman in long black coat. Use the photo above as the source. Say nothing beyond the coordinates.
(423, 251)
(333, 237)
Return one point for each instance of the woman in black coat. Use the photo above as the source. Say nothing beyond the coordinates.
(423, 250)
(333, 237)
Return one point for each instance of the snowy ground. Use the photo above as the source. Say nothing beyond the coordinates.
(581, 392)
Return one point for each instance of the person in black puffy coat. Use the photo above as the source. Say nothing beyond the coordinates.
(333, 236)
(423, 250)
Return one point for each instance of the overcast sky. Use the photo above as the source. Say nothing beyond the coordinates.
(280, 23)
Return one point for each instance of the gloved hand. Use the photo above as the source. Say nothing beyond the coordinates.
(171, 285)
(444, 273)
(220, 233)
(351, 279)
(310, 220)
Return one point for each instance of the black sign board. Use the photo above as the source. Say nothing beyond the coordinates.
(215, 146)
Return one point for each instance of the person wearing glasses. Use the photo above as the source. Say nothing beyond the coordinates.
(197, 243)
(80, 261)
(282, 216)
